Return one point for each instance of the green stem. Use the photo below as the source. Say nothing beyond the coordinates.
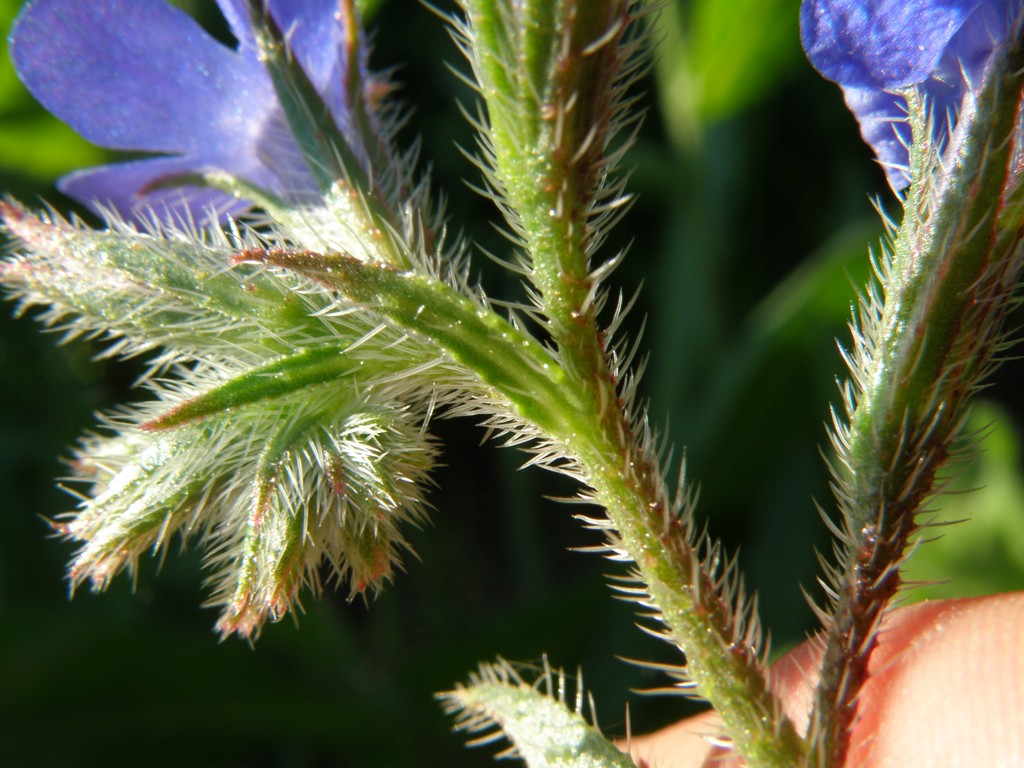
(604, 450)
(948, 287)
(721, 661)
(550, 103)
(553, 76)
(507, 360)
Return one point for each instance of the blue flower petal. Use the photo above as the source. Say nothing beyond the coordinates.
(139, 75)
(119, 187)
(883, 126)
(316, 31)
(965, 58)
(873, 48)
(881, 44)
(142, 75)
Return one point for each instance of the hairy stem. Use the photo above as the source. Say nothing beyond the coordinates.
(918, 356)
(554, 76)
(695, 599)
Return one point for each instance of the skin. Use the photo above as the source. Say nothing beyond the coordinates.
(945, 688)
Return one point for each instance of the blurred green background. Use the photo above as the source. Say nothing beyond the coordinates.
(749, 233)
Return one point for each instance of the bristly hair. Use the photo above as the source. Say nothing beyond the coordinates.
(549, 150)
(594, 154)
(544, 727)
(283, 428)
(927, 333)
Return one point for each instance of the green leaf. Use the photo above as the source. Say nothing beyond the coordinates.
(544, 731)
(503, 357)
(168, 289)
(278, 377)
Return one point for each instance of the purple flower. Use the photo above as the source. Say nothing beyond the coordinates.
(873, 48)
(143, 76)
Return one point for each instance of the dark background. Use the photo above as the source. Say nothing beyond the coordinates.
(750, 230)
